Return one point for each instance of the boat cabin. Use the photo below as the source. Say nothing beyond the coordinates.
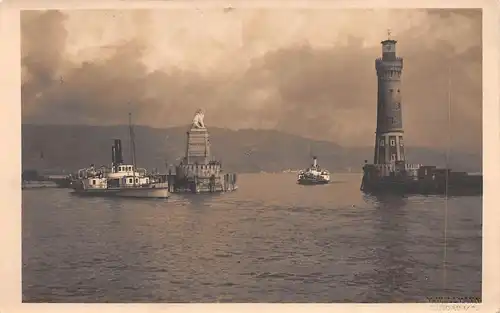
(128, 181)
(119, 176)
(118, 182)
(94, 183)
(121, 170)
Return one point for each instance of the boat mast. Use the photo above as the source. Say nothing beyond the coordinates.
(447, 179)
(132, 142)
(166, 153)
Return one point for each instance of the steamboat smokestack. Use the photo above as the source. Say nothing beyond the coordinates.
(113, 155)
(118, 151)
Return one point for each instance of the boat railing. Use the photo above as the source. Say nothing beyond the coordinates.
(142, 171)
(143, 185)
(83, 173)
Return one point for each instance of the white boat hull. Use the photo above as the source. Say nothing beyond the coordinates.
(138, 193)
(161, 193)
(313, 181)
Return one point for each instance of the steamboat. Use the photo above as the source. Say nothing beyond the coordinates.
(120, 179)
(314, 175)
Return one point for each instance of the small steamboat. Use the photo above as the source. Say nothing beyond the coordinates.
(315, 175)
(120, 179)
(32, 179)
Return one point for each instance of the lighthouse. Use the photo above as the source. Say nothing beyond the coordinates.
(390, 171)
(389, 144)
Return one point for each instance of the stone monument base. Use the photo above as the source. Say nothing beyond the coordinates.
(198, 146)
(197, 173)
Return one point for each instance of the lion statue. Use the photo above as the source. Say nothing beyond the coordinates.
(198, 119)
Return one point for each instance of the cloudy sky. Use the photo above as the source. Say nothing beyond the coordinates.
(306, 72)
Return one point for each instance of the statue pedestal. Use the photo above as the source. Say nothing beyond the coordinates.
(198, 146)
(197, 173)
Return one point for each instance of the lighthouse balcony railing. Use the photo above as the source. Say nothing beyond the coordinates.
(385, 170)
(396, 59)
(396, 63)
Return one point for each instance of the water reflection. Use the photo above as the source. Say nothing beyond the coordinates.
(270, 241)
(199, 200)
(392, 263)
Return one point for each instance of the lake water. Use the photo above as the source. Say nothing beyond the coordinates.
(270, 241)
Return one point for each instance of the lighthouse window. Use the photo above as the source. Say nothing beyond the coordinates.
(93, 181)
(393, 142)
(391, 90)
(393, 157)
(382, 142)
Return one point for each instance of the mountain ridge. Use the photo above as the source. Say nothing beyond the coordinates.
(246, 150)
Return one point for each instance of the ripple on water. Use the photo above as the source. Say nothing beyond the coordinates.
(271, 241)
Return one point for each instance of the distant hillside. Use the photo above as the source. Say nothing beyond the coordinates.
(60, 147)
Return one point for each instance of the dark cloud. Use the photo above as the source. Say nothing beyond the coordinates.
(325, 93)
(42, 48)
